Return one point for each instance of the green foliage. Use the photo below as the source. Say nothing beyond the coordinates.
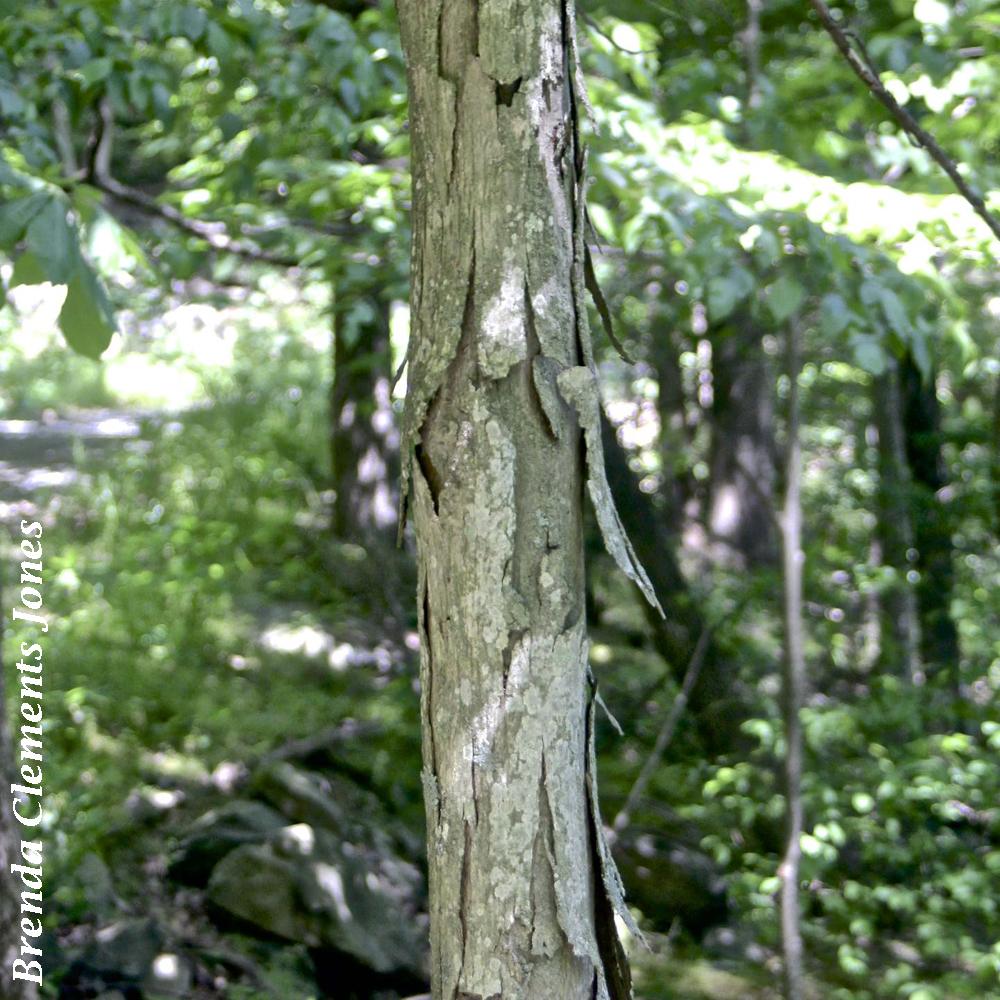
(186, 540)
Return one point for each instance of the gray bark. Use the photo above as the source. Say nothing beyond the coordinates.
(794, 686)
(502, 418)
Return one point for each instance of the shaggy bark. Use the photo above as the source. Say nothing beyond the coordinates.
(502, 434)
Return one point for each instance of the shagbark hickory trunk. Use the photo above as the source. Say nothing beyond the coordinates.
(502, 434)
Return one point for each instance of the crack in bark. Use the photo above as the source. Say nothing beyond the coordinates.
(436, 480)
(463, 906)
(544, 843)
(506, 91)
(425, 637)
(543, 370)
(431, 475)
(514, 636)
(475, 791)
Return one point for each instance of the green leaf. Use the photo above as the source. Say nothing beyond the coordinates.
(87, 320)
(869, 355)
(110, 246)
(726, 291)
(231, 125)
(895, 314)
(834, 316)
(96, 70)
(161, 105)
(349, 95)
(53, 242)
(221, 45)
(921, 355)
(8, 175)
(862, 802)
(138, 90)
(192, 23)
(86, 201)
(784, 298)
(870, 293)
(15, 216)
(11, 102)
(301, 17)
(28, 270)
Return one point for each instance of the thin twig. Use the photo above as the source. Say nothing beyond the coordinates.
(902, 116)
(665, 735)
(213, 234)
(595, 27)
(342, 732)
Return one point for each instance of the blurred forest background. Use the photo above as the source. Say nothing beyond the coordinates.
(231, 665)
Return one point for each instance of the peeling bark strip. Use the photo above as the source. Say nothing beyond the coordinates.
(501, 435)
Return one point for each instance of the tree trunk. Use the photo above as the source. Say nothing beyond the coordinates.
(743, 453)
(364, 438)
(932, 527)
(502, 417)
(895, 525)
(794, 686)
(675, 436)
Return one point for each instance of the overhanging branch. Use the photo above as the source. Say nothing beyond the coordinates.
(213, 234)
(902, 116)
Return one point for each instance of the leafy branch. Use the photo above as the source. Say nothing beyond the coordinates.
(865, 72)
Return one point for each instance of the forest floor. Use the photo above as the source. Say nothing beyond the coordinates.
(122, 904)
(226, 684)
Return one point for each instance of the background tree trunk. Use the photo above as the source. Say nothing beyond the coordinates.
(675, 438)
(714, 700)
(895, 526)
(743, 462)
(364, 437)
(794, 686)
(932, 530)
(502, 409)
